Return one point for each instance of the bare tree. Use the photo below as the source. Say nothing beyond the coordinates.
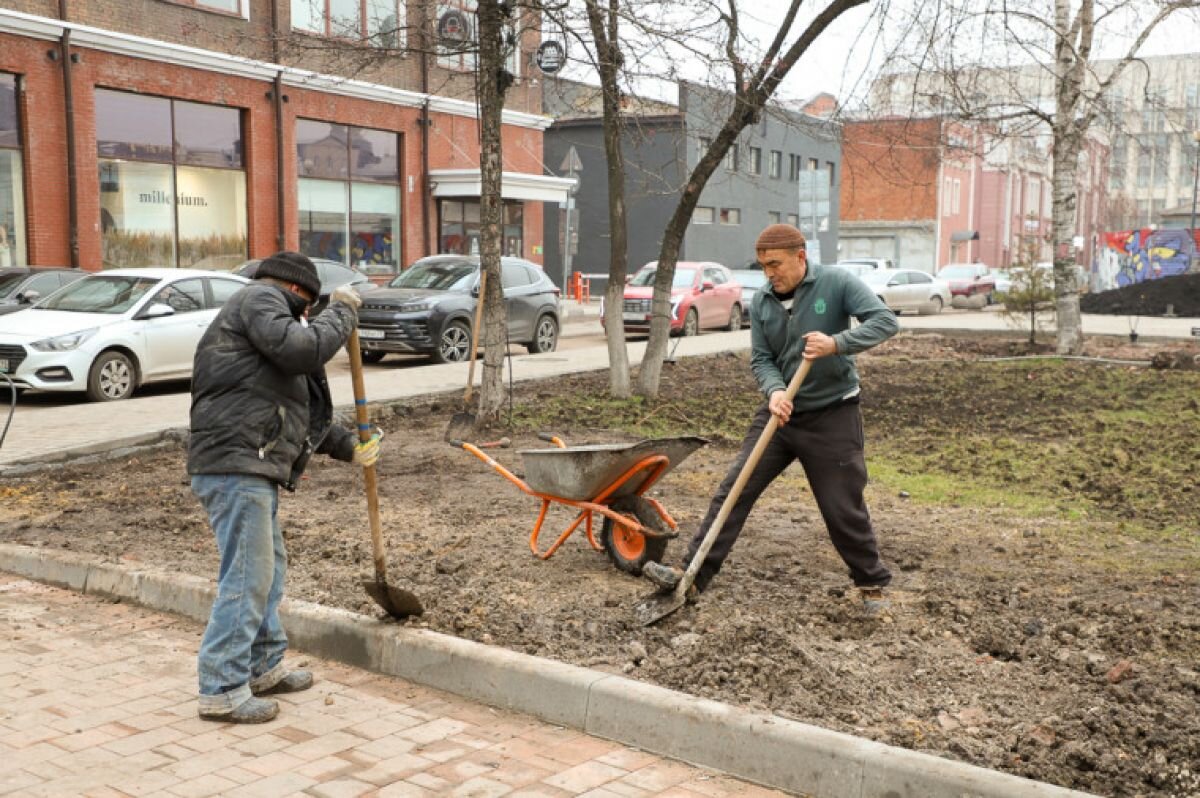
(751, 88)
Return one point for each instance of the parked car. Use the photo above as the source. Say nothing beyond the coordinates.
(908, 289)
(21, 286)
(704, 295)
(969, 282)
(429, 309)
(333, 275)
(860, 265)
(110, 332)
(1003, 279)
(751, 280)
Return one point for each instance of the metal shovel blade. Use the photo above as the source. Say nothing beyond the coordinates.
(395, 601)
(656, 606)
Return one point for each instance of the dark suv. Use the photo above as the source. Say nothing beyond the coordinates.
(430, 308)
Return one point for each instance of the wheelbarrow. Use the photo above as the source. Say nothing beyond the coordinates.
(606, 479)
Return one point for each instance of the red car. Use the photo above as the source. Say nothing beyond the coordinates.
(969, 280)
(703, 296)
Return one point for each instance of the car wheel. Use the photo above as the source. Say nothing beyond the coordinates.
(691, 323)
(735, 318)
(372, 356)
(545, 336)
(935, 306)
(455, 344)
(112, 377)
(628, 548)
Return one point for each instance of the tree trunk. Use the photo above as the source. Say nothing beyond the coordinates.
(609, 62)
(1068, 139)
(493, 82)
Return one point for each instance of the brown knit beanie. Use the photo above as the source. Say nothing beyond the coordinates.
(779, 236)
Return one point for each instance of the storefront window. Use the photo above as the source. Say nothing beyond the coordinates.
(172, 187)
(12, 193)
(349, 195)
(460, 227)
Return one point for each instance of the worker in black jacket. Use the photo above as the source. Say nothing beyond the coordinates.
(260, 408)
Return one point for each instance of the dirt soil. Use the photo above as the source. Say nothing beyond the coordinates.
(1180, 294)
(1041, 518)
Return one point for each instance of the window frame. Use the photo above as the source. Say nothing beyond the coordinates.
(712, 214)
(775, 164)
(243, 8)
(754, 164)
(727, 216)
(362, 34)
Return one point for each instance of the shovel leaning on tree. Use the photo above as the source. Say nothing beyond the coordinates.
(656, 606)
(396, 601)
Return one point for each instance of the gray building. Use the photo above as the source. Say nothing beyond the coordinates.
(785, 168)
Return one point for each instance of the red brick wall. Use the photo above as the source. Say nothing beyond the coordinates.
(890, 170)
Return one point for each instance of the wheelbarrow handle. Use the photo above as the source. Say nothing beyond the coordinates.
(499, 469)
(548, 438)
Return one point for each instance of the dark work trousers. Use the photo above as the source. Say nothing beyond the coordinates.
(829, 445)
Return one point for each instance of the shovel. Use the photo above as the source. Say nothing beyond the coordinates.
(462, 425)
(395, 601)
(656, 606)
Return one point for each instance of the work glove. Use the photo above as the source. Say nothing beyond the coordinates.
(366, 453)
(347, 296)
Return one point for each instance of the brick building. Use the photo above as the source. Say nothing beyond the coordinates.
(930, 191)
(204, 132)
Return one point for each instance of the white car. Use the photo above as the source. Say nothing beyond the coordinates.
(908, 289)
(112, 331)
(861, 266)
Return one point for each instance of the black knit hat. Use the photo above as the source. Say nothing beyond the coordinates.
(291, 267)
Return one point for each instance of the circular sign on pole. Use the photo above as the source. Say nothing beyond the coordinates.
(550, 56)
(453, 28)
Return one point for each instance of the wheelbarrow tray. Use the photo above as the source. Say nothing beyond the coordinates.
(580, 473)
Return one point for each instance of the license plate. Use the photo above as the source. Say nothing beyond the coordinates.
(634, 316)
(377, 334)
(4, 365)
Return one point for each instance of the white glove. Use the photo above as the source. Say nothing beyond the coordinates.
(366, 453)
(347, 296)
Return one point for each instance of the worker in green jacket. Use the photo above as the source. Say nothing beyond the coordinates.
(804, 313)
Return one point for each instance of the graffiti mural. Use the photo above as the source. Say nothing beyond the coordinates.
(1132, 256)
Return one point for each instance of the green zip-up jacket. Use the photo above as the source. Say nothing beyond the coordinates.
(824, 301)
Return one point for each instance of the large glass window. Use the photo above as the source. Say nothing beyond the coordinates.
(460, 227)
(379, 21)
(172, 185)
(462, 56)
(12, 193)
(349, 195)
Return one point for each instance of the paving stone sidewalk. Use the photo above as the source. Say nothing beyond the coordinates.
(97, 699)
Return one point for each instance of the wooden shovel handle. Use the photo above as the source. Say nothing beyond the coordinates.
(475, 333)
(743, 477)
(364, 434)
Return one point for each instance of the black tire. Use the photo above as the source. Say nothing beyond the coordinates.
(735, 318)
(545, 336)
(111, 378)
(454, 344)
(691, 323)
(630, 551)
(372, 356)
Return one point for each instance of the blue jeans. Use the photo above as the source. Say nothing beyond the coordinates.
(244, 642)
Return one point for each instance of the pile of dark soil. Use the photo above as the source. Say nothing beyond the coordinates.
(1179, 294)
(1040, 518)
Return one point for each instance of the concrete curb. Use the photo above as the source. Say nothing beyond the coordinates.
(755, 746)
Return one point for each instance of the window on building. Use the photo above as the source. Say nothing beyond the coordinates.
(946, 186)
(793, 220)
(776, 164)
(1144, 161)
(829, 166)
(755, 164)
(794, 164)
(12, 192)
(813, 164)
(731, 216)
(702, 216)
(731, 158)
(349, 195)
(956, 196)
(381, 22)
(1162, 160)
(239, 7)
(773, 217)
(1033, 197)
(172, 182)
(463, 56)
(1118, 164)
(459, 225)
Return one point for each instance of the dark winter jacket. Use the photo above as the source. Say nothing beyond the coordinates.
(260, 401)
(825, 301)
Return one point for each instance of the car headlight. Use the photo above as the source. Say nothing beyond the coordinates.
(416, 307)
(64, 343)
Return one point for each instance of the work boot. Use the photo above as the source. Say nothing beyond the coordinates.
(666, 577)
(294, 682)
(874, 603)
(252, 710)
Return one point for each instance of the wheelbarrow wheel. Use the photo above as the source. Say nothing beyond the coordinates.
(628, 548)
